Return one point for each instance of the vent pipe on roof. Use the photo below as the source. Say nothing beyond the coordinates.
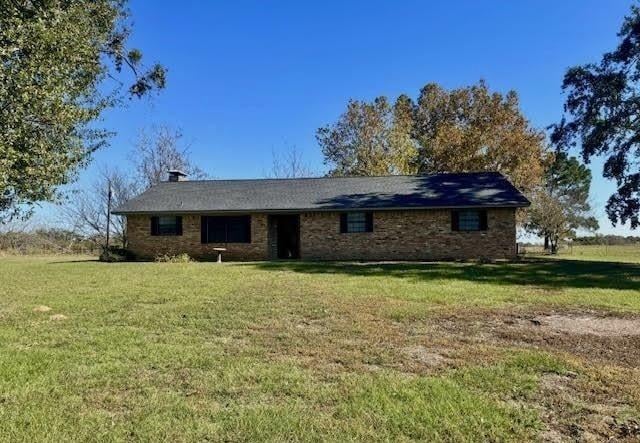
(176, 175)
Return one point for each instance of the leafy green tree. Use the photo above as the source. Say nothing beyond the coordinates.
(603, 118)
(62, 63)
(358, 144)
(371, 139)
(547, 218)
(404, 149)
(561, 206)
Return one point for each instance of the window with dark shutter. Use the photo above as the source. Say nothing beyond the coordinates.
(154, 225)
(343, 223)
(166, 225)
(455, 221)
(353, 222)
(226, 229)
(469, 220)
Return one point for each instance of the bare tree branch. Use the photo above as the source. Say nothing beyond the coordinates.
(289, 164)
(159, 150)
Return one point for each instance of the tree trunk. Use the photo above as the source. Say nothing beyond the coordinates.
(546, 242)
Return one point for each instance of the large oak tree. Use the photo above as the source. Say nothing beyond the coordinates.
(62, 63)
(603, 118)
(461, 130)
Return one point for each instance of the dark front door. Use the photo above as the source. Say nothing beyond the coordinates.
(288, 236)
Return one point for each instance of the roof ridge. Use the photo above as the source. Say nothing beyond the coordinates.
(336, 177)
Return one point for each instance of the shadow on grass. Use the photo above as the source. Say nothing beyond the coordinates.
(537, 272)
(86, 260)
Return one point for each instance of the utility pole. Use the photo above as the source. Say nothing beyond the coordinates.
(108, 210)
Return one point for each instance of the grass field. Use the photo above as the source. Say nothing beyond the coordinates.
(629, 254)
(541, 349)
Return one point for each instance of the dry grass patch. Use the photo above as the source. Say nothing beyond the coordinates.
(589, 324)
(598, 398)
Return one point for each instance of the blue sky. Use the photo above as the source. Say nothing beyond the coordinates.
(250, 77)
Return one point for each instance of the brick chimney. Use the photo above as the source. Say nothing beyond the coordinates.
(176, 175)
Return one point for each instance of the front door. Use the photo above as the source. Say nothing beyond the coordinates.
(287, 236)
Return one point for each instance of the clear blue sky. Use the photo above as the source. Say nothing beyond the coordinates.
(249, 77)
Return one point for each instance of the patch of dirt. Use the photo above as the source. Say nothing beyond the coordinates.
(424, 356)
(41, 308)
(58, 317)
(625, 428)
(589, 324)
(592, 405)
(570, 412)
(312, 327)
(613, 339)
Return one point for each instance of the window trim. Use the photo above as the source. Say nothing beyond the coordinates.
(344, 224)
(204, 228)
(155, 226)
(482, 215)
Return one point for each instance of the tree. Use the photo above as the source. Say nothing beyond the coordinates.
(561, 206)
(471, 129)
(154, 154)
(404, 149)
(462, 130)
(603, 117)
(61, 66)
(369, 139)
(546, 217)
(158, 151)
(289, 164)
(86, 211)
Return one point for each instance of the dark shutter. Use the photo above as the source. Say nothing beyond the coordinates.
(369, 222)
(455, 217)
(483, 220)
(155, 226)
(179, 225)
(204, 238)
(343, 223)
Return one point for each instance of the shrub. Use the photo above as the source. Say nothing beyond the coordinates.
(45, 241)
(114, 254)
(111, 257)
(177, 258)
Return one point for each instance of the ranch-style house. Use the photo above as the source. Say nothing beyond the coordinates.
(428, 217)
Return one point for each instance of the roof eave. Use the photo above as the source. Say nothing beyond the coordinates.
(290, 210)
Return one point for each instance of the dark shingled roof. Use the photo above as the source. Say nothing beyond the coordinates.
(328, 193)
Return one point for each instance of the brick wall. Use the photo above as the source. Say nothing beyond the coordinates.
(397, 235)
(144, 245)
(407, 235)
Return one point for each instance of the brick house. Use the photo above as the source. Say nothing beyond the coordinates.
(430, 217)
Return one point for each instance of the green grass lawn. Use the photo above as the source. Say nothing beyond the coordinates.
(292, 351)
(627, 253)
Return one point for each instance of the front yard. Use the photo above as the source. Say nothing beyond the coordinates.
(546, 349)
